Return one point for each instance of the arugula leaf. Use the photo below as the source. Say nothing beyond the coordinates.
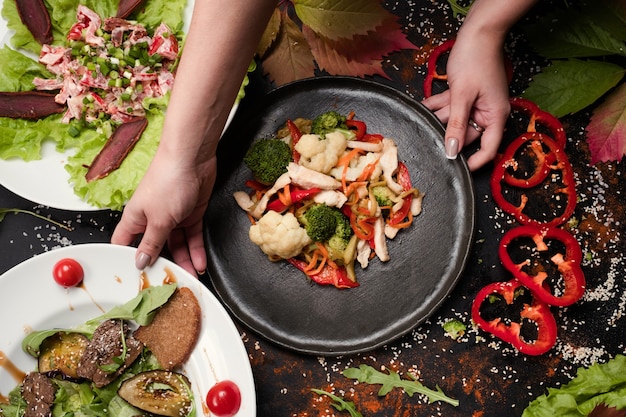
(140, 309)
(340, 404)
(565, 87)
(365, 373)
(4, 211)
(598, 384)
(457, 9)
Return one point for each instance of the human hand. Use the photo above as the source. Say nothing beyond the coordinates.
(168, 206)
(478, 92)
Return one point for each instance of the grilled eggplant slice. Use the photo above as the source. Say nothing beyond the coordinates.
(159, 392)
(62, 352)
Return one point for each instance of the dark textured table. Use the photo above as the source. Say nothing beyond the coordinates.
(487, 376)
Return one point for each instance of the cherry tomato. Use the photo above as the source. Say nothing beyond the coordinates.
(224, 399)
(68, 272)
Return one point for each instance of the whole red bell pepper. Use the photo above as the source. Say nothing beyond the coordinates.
(537, 312)
(568, 191)
(568, 264)
(330, 275)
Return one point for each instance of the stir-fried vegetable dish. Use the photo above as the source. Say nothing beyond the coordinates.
(326, 194)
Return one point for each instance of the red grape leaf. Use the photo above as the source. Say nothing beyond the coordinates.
(606, 132)
(290, 58)
(271, 33)
(331, 61)
(385, 39)
(336, 19)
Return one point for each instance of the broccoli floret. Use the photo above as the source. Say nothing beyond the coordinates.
(268, 160)
(327, 122)
(383, 195)
(320, 222)
(327, 224)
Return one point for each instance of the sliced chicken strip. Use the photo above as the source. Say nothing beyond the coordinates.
(389, 163)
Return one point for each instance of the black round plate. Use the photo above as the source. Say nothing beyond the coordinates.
(276, 300)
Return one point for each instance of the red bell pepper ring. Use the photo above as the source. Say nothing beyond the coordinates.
(536, 115)
(537, 312)
(543, 161)
(404, 179)
(431, 66)
(568, 264)
(568, 190)
(296, 134)
(433, 59)
(330, 275)
(296, 195)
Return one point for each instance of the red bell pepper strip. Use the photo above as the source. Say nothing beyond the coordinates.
(372, 138)
(536, 115)
(296, 134)
(404, 179)
(568, 264)
(358, 127)
(543, 161)
(538, 312)
(562, 164)
(330, 275)
(296, 195)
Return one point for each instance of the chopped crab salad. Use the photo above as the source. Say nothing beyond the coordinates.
(106, 71)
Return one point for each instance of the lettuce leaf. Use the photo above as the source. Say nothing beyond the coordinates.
(598, 384)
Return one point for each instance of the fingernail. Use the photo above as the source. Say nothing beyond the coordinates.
(142, 261)
(452, 146)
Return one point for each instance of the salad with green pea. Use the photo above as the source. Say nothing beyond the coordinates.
(106, 71)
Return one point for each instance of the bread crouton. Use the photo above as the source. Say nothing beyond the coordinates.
(174, 331)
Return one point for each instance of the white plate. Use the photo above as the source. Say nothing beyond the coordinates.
(31, 300)
(45, 181)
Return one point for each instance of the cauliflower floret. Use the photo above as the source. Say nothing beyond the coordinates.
(279, 235)
(319, 154)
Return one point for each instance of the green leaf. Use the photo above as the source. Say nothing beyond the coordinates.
(569, 86)
(339, 403)
(570, 34)
(337, 19)
(610, 14)
(365, 373)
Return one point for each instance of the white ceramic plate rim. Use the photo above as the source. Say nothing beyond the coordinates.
(45, 181)
(31, 300)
